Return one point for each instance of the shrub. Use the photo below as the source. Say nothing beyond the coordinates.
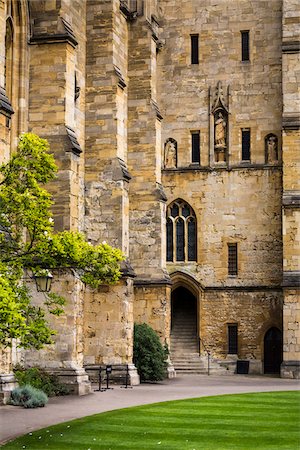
(28, 396)
(40, 379)
(149, 356)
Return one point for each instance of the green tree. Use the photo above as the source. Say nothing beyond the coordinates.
(28, 245)
(149, 355)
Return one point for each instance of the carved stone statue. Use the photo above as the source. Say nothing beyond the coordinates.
(170, 157)
(271, 148)
(220, 136)
(220, 132)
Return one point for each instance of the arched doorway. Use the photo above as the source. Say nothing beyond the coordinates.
(272, 350)
(184, 334)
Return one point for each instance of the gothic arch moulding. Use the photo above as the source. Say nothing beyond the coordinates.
(184, 279)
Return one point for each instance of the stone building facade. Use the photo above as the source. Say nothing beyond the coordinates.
(175, 127)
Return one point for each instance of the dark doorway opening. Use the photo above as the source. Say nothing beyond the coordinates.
(272, 351)
(184, 308)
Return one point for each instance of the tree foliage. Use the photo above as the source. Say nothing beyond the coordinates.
(28, 245)
(149, 355)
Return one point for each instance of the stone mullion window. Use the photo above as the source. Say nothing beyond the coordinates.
(181, 232)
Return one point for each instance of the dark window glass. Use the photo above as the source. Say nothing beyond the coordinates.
(232, 259)
(169, 240)
(195, 49)
(174, 211)
(180, 240)
(232, 339)
(186, 211)
(191, 240)
(196, 147)
(246, 145)
(245, 45)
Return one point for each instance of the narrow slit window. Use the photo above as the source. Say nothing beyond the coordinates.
(246, 144)
(196, 147)
(245, 45)
(232, 259)
(195, 48)
(232, 339)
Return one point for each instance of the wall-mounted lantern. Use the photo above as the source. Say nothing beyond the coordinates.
(43, 280)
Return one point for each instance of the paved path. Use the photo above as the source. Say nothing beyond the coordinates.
(15, 421)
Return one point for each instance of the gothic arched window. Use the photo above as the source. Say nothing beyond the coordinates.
(181, 232)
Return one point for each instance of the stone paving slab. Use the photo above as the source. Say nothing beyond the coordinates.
(15, 421)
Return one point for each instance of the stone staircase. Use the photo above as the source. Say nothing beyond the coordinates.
(184, 343)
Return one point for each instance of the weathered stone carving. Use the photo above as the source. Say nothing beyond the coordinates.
(170, 156)
(220, 114)
(220, 131)
(271, 148)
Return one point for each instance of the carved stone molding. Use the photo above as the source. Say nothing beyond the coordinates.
(291, 46)
(5, 106)
(64, 33)
(75, 146)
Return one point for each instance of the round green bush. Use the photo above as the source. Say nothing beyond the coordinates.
(28, 396)
(149, 355)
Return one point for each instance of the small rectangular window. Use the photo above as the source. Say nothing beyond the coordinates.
(232, 339)
(195, 48)
(245, 45)
(246, 143)
(232, 259)
(196, 147)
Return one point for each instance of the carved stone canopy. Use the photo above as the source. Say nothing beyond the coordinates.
(219, 102)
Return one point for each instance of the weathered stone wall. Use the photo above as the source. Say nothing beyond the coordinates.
(56, 55)
(240, 206)
(108, 324)
(254, 312)
(255, 85)
(65, 356)
(153, 306)
(291, 188)
(147, 199)
(235, 201)
(106, 117)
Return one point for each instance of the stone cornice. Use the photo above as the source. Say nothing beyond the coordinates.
(198, 168)
(75, 146)
(147, 282)
(254, 288)
(291, 46)
(66, 36)
(291, 122)
(291, 279)
(291, 200)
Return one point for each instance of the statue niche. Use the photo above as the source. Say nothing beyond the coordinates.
(170, 154)
(220, 136)
(271, 148)
(219, 111)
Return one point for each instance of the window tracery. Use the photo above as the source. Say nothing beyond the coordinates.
(181, 232)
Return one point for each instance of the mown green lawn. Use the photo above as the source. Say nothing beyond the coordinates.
(249, 421)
